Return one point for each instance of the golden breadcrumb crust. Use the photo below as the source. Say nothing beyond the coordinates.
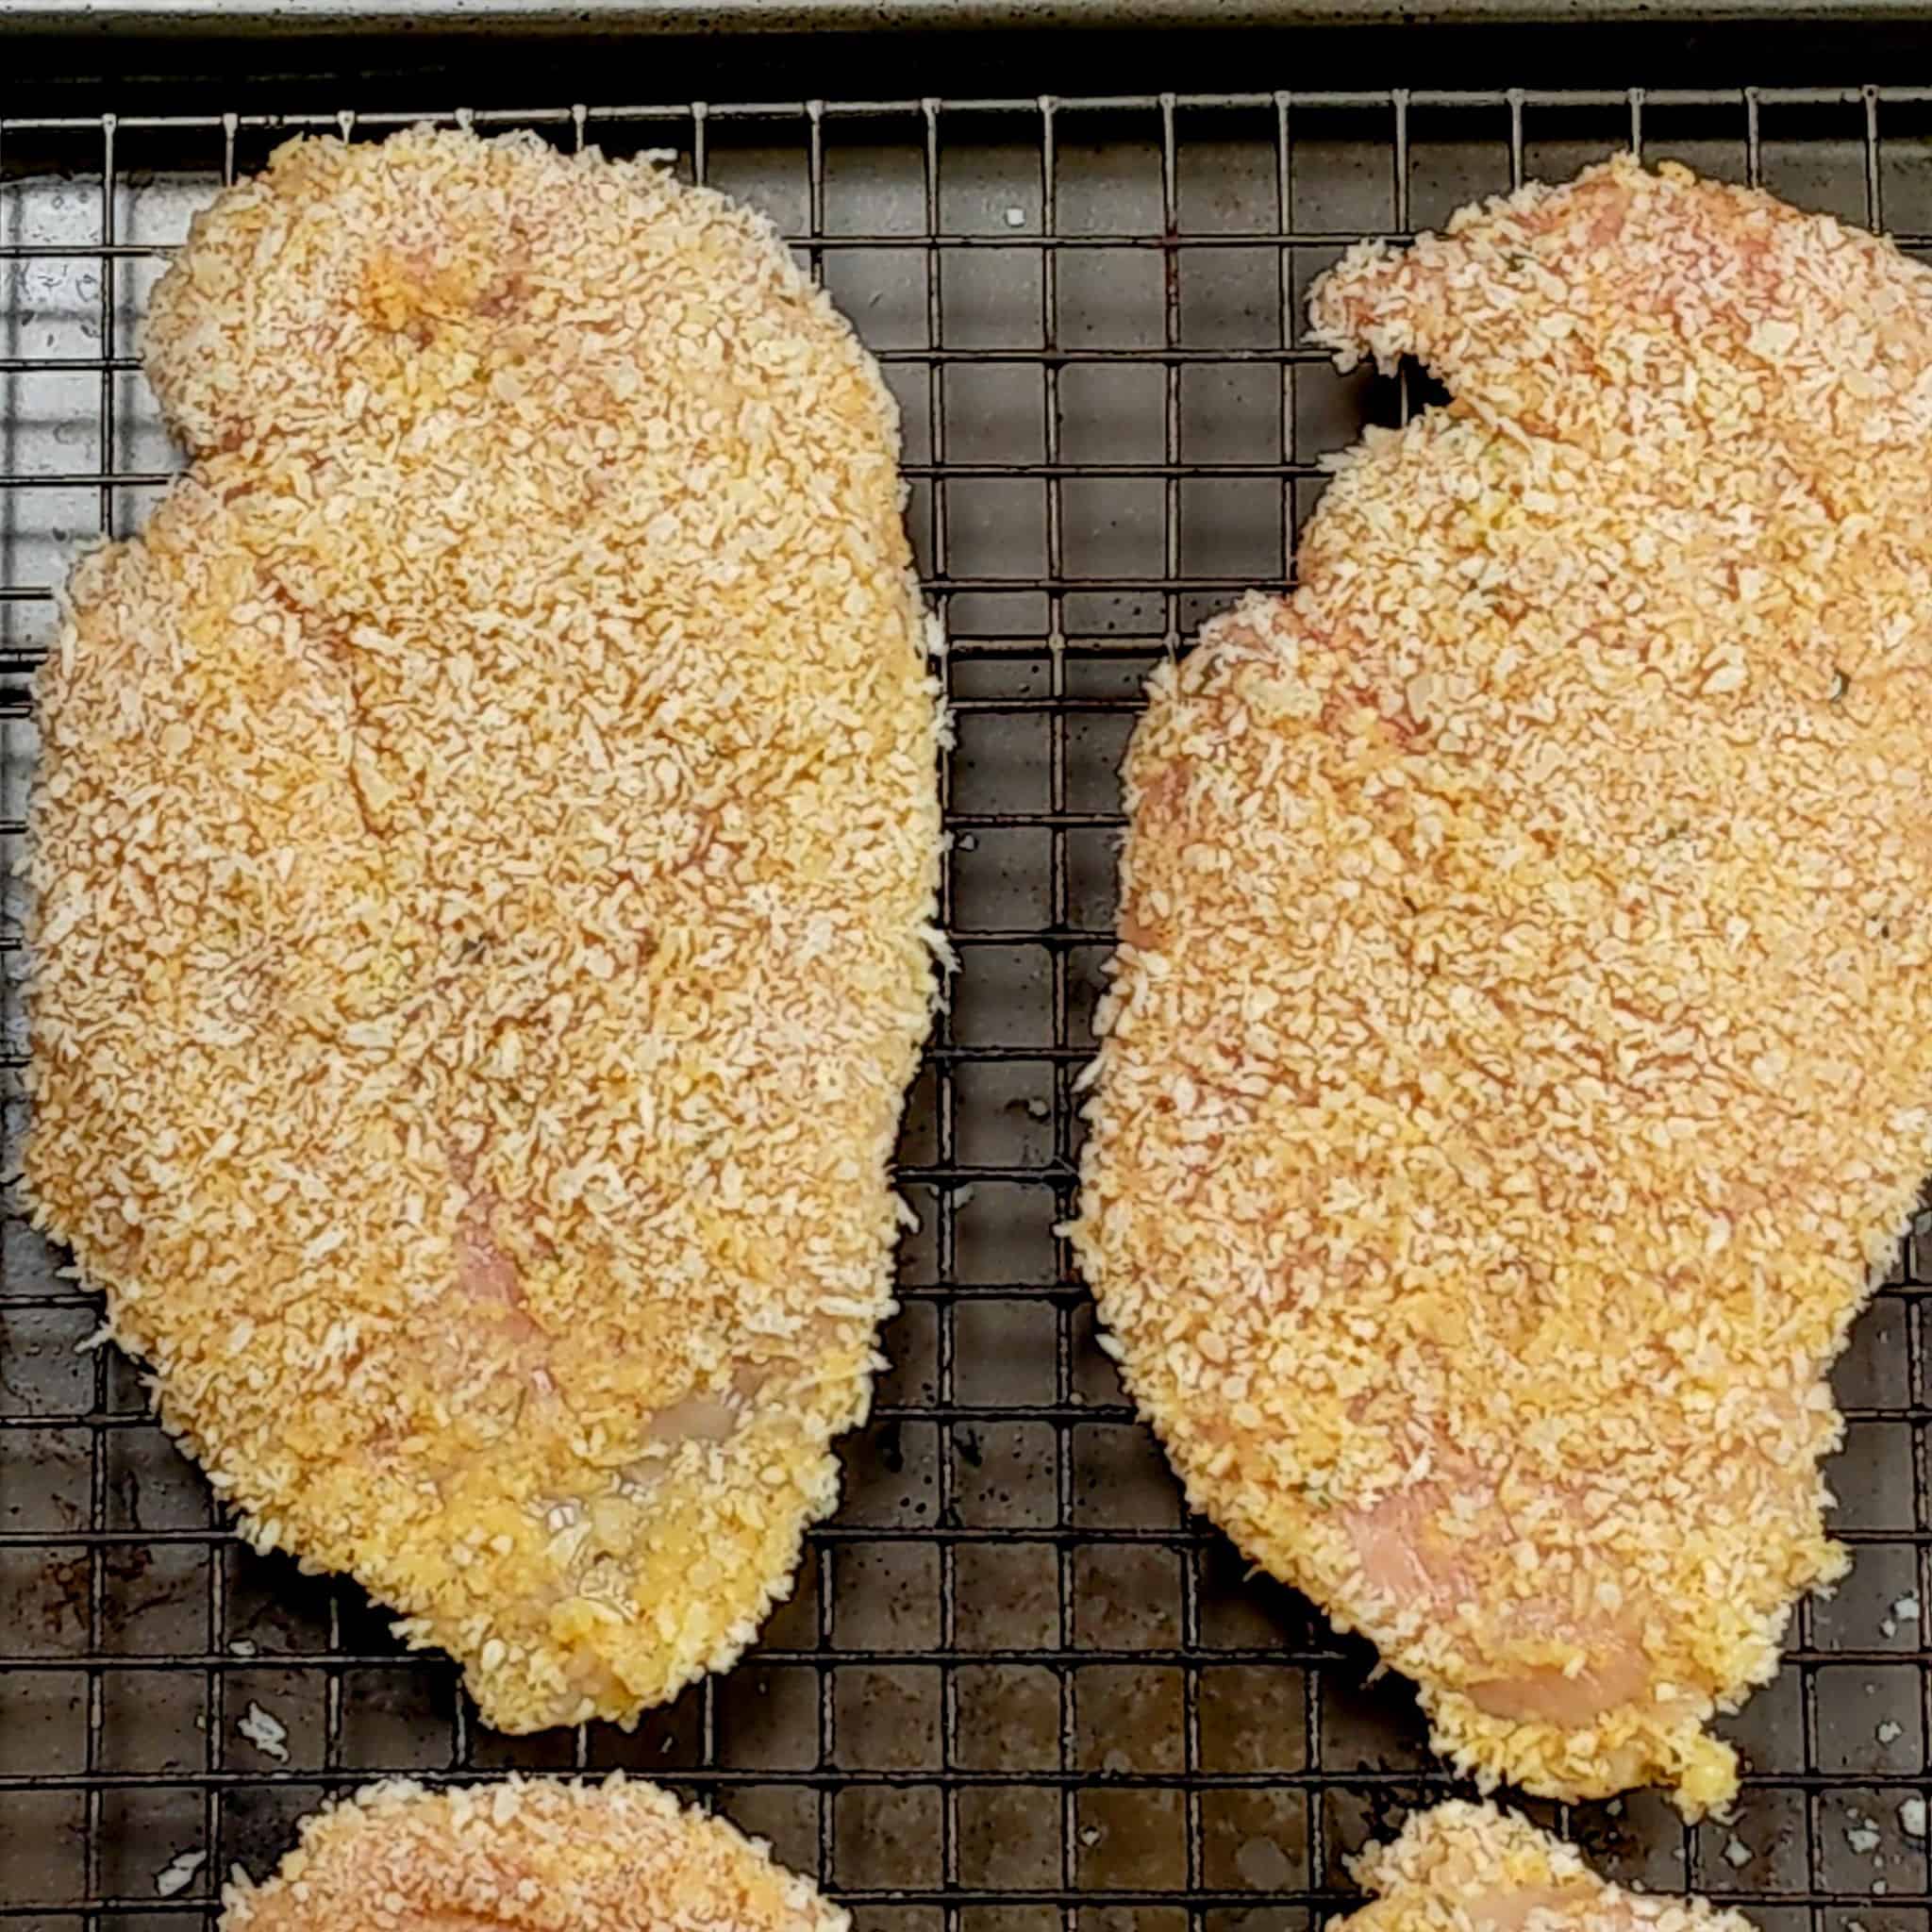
(540, 1856)
(1472, 1868)
(1518, 1057)
(485, 845)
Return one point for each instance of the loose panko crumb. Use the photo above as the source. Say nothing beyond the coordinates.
(1862, 1834)
(1519, 1052)
(486, 843)
(265, 1731)
(615, 1856)
(177, 1875)
(1472, 1868)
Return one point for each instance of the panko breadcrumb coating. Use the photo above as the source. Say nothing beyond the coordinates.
(1520, 1051)
(548, 1856)
(1472, 1868)
(485, 845)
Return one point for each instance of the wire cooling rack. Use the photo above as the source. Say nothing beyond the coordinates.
(1017, 1688)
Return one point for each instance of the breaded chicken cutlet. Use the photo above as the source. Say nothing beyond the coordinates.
(1520, 1049)
(485, 845)
(526, 1856)
(1472, 1868)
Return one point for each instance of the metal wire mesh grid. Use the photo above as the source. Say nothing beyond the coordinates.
(1017, 1687)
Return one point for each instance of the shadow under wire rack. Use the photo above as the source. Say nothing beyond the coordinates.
(1017, 1688)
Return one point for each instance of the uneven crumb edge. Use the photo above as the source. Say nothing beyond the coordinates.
(1472, 1868)
(615, 1856)
(1518, 1057)
(485, 847)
